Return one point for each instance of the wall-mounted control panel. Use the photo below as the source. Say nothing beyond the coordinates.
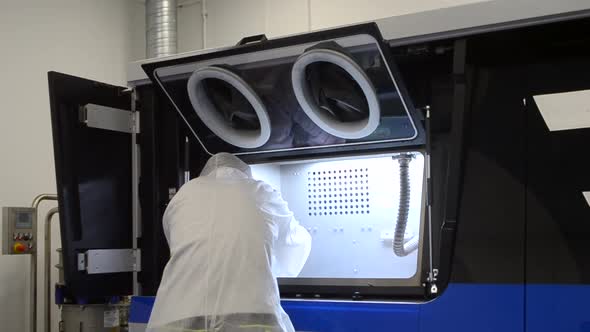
(19, 230)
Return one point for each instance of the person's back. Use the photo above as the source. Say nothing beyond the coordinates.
(225, 230)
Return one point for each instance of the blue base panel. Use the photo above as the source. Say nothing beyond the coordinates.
(461, 308)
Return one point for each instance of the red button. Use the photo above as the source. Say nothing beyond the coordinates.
(19, 248)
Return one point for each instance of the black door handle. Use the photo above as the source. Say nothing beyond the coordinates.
(252, 39)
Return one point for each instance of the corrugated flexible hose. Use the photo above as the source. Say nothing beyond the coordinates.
(401, 246)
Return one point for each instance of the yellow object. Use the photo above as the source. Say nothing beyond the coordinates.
(19, 247)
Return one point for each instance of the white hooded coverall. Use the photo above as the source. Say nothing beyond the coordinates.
(227, 234)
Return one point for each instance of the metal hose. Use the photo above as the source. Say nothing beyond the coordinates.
(35, 204)
(43, 197)
(161, 29)
(401, 246)
(48, 217)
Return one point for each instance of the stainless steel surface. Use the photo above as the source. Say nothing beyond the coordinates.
(103, 117)
(5, 231)
(161, 28)
(14, 233)
(47, 263)
(81, 261)
(60, 267)
(43, 197)
(98, 261)
(136, 173)
(33, 302)
(33, 294)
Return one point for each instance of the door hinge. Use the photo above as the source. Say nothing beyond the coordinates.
(100, 261)
(432, 288)
(109, 118)
(135, 122)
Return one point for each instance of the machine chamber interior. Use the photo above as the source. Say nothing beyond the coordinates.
(350, 208)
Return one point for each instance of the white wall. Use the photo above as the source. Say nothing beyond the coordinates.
(190, 26)
(88, 38)
(135, 35)
(285, 17)
(230, 20)
(330, 13)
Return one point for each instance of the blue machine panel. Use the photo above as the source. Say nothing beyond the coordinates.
(141, 309)
(353, 317)
(461, 308)
(475, 307)
(552, 308)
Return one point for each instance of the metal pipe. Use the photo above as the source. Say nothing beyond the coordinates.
(187, 171)
(47, 235)
(33, 293)
(43, 197)
(161, 28)
(430, 194)
(204, 15)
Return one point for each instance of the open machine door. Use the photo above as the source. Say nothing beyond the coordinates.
(92, 148)
(333, 90)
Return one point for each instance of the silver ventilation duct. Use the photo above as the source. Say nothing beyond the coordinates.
(161, 30)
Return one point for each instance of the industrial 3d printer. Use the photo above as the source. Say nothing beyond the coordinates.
(438, 194)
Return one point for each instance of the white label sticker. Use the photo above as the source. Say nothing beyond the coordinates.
(587, 196)
(563, 111)
(111, 318)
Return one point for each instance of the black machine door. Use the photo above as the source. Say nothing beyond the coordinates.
(93, 170)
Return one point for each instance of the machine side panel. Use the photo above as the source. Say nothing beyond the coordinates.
(475, 307)
(161, 176)
(558, 214)
(349, 317)
(558, 166)
(561, 307)
(462, 308)
(489, 244)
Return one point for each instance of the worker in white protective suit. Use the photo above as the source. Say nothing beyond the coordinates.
(227, 234)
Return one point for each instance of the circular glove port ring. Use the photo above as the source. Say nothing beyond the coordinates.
(213, 118)
(347, 130)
